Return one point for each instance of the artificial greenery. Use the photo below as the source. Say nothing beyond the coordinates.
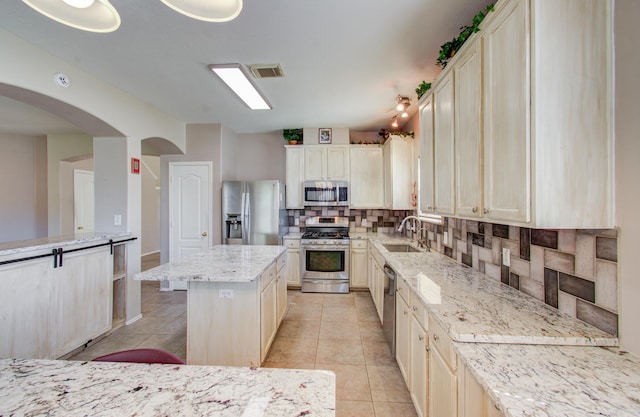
(292, 134)
(448, 50)
(383, 133)
(423, 87)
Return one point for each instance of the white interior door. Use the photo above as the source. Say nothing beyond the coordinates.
(190, 210)
(83, 201)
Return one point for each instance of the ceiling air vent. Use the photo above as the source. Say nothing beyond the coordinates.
(266, 70)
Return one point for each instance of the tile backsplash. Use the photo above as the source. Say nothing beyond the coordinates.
(574, 271)
(384, 221)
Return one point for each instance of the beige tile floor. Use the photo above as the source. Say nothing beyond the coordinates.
(338, 332)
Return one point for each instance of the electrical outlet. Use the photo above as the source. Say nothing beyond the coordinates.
(296, 221)
(364, 223)
(446, 238)
(117, 219)
(223, 293)
(506, 257)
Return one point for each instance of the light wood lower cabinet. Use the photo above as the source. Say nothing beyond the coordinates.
(281, 288)
(403, 339)
(376, 280)
(359, 264)
(233, 323)
(47, 312)
(419, 375)
(473, 400)
(293, 262)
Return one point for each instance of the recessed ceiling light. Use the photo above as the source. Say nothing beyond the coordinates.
(235, 77)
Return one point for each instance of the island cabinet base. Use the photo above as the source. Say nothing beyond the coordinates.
(224, 324)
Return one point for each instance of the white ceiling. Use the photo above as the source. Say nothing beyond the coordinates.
(345, 60)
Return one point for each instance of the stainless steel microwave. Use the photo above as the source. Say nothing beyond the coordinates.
(325, 193)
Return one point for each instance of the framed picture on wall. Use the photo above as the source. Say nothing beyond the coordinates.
(324, 135)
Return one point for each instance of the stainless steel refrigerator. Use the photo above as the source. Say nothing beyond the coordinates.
(253, 212)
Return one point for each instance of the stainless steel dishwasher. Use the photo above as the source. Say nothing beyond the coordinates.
(389, 308)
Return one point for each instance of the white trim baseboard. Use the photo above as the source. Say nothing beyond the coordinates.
(133, 320)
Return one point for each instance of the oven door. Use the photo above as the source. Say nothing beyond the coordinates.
(325, 268)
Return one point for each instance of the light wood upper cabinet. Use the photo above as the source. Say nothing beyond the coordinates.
(468, 132)
(443, 145)
(367, 182)
(398, 173)
(294, 175)
(426, 156)
(326, 162)
(506, 115)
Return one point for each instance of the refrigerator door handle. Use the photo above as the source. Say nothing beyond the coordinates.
(246, 202)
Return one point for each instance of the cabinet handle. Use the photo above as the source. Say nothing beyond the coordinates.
(475, 209)
(485, 211)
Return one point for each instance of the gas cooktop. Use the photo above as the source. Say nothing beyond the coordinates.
(319, 234)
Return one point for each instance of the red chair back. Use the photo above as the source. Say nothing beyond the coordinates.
(144, 355)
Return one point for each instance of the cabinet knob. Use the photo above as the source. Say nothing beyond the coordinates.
(426, 348)
(80, 227)
(414, 308)
(486, 210)
(204, 234)
(435, 337)
(475, 209)
(404, 312)
(420, 337)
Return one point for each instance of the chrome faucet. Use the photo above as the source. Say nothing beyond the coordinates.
(401, 228)
(423, 243)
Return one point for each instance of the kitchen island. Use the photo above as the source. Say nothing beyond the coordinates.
(70, 388)
(236, 299)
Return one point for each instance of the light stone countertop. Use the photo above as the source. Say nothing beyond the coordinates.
(472, 307)
(556, 381)
(48, 243)
(73, 388)
(222, 263)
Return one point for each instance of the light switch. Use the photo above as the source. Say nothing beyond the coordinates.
(117, 219)
(506, 257)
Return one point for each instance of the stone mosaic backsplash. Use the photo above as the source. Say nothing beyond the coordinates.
(574, 271)
(384, 221)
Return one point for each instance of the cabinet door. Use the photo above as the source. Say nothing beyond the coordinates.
(358, 268)
(293, 267)
(337, 163)
(471, 396)
(419, 374)
(268, 319)
(403, 342)
(506, 115)
(468, 133)
(380, 288)
(367, 182)
(426, 156)
(315, 161)
(84, 292)
(25, 309)
(295, 170)
(442, 387)
(281, 296)
(398, 168)
(443, 128)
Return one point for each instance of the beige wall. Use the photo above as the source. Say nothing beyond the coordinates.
(261, 156)
(67, 204)
(24, 169)
(627, 128)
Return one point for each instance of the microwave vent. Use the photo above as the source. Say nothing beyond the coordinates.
(267, 70)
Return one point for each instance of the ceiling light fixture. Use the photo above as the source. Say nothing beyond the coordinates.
(403, 103)
(236, 78)
(90, 15)
(207, 10)
(394, 122)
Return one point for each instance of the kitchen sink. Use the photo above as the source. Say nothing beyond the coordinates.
(401, 248)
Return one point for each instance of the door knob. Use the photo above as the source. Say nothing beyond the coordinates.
(204, 233)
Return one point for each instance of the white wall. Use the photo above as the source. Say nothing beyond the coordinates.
(150, 177)
(627, 128)
(261, 156)
(18, 187)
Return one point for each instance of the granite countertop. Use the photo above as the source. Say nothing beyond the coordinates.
(472, 307)
(71, 388)
(222, 263)
(48, 243)
(293, 235)
(556, 381)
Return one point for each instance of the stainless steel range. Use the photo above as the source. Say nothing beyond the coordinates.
(325, 255)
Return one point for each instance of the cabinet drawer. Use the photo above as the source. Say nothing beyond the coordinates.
(377, 256)
(402, 288)
(419, 312)
(292, 243)
(441, 341)
(359, 244)
(281, 262)
(268, 276)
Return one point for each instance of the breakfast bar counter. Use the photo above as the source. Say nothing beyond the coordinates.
(70, 388)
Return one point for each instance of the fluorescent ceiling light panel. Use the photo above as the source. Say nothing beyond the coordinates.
(237, 80)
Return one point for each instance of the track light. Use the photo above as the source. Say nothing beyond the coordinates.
(394, 122)
(403, 103)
